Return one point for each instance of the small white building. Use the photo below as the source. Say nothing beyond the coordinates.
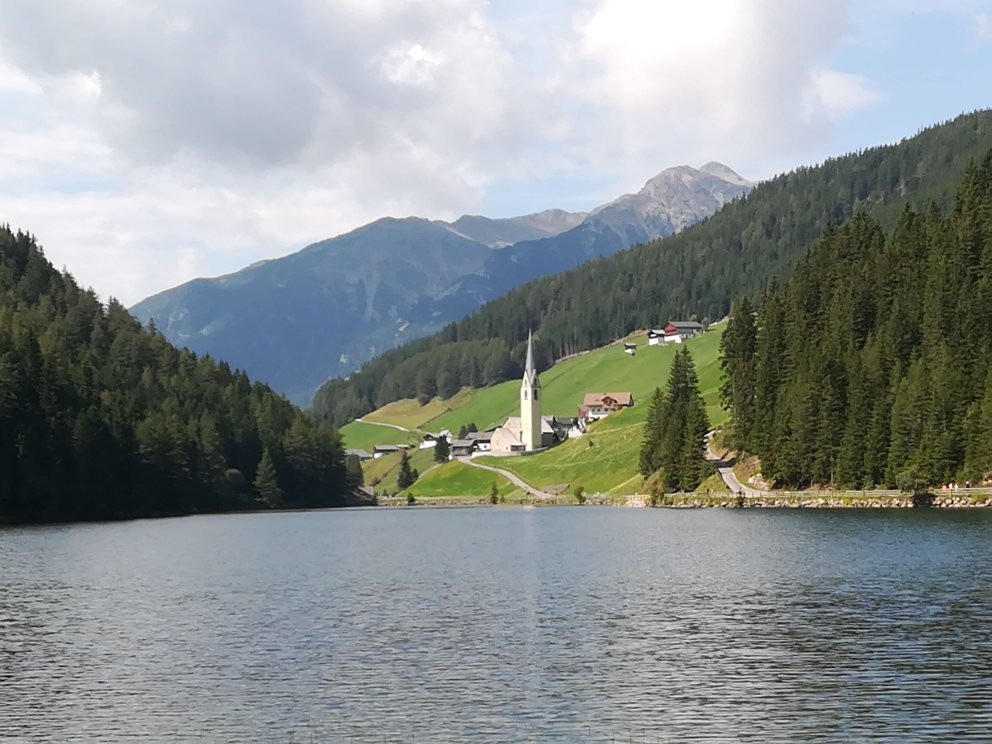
(674, 332)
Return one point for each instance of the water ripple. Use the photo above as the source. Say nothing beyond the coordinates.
(500, 625)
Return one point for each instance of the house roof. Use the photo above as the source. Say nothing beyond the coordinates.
(359, 452)
(387, 448)
(479, 436)
(462, 443)
(686, 325)
(596, 399)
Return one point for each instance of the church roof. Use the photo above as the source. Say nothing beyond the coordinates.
(530, 371)
(513, 424)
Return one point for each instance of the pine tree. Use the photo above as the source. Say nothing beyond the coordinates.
(441, 449)
(266, 482)
(649, 457)
(675, 435)
(406, 477)
(738, 347)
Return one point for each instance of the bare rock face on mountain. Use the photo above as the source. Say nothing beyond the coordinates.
(295, 321)
(498, 233)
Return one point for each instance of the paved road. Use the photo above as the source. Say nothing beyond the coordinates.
(391, 426)
(514, 479)
(726, 471)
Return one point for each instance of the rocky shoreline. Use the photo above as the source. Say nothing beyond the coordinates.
(938, 501)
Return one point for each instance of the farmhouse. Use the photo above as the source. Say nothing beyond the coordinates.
(430, 439)
(482, 439)
(361, 454)
(385, 449)
(674, 332)
(461, 448)
(597, 405)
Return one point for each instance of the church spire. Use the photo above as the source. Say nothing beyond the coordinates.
(530, 371)
(530, 402)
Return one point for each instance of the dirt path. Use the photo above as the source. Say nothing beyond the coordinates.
(391, 426)
(725, 468)
(514, 479)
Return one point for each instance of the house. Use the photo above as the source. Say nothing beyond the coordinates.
(674, 332)
(482, 439)
(385, 449)
(461, 448)
(597, 405)
(569, 427)
(430, 439)
(361, 454)
(629, 346)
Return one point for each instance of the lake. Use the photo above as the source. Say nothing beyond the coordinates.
(501, 624)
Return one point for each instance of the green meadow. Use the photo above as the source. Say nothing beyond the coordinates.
(454, 479)
(604, 460)
(360, 435)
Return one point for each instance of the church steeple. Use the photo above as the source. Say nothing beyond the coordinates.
(530, 403)
(530, 372)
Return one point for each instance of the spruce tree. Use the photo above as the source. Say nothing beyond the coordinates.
(737, 360)
(441, 450)
(675, 435)
(406, 477)
(266, 483)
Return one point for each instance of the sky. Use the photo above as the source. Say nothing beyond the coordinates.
(147, 143)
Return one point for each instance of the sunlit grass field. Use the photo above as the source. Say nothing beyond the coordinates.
(605, 460)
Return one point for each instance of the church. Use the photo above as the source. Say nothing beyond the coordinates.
(530, 430)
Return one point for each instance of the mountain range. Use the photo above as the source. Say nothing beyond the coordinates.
(295, 321)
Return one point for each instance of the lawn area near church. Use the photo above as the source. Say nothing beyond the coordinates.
(457, 480)
(607, 369)
(360, 435)
(606, 458)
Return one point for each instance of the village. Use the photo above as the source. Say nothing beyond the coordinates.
(531, 431)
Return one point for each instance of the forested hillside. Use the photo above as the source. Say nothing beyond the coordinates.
(873, 364)
(102, 419)
(697, 272)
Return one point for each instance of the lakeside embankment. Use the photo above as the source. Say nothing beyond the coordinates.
(773, 500)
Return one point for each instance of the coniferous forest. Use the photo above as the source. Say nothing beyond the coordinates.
(102, 419)
(675, 430)
(872, 365)
(696, 273)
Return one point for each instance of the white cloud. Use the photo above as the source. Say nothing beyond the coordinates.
(983, 26)
(147, 143)
(838, 93)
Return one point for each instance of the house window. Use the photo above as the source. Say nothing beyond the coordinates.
(535, 395)
(525, 393)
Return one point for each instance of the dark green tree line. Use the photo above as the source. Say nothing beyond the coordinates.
(675, 432)
(101, 418)
(872, 365)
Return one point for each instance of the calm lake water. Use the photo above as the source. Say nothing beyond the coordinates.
(506, 624)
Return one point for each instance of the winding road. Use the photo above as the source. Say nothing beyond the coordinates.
(726, 470)
(515, 480)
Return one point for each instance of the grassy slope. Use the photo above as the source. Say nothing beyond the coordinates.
(412, 415)
(359, 435)
(603, 370)
(609, 464)
(386, 469)
(454, 479)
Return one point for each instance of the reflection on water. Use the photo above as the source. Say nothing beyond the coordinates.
(506, 624)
